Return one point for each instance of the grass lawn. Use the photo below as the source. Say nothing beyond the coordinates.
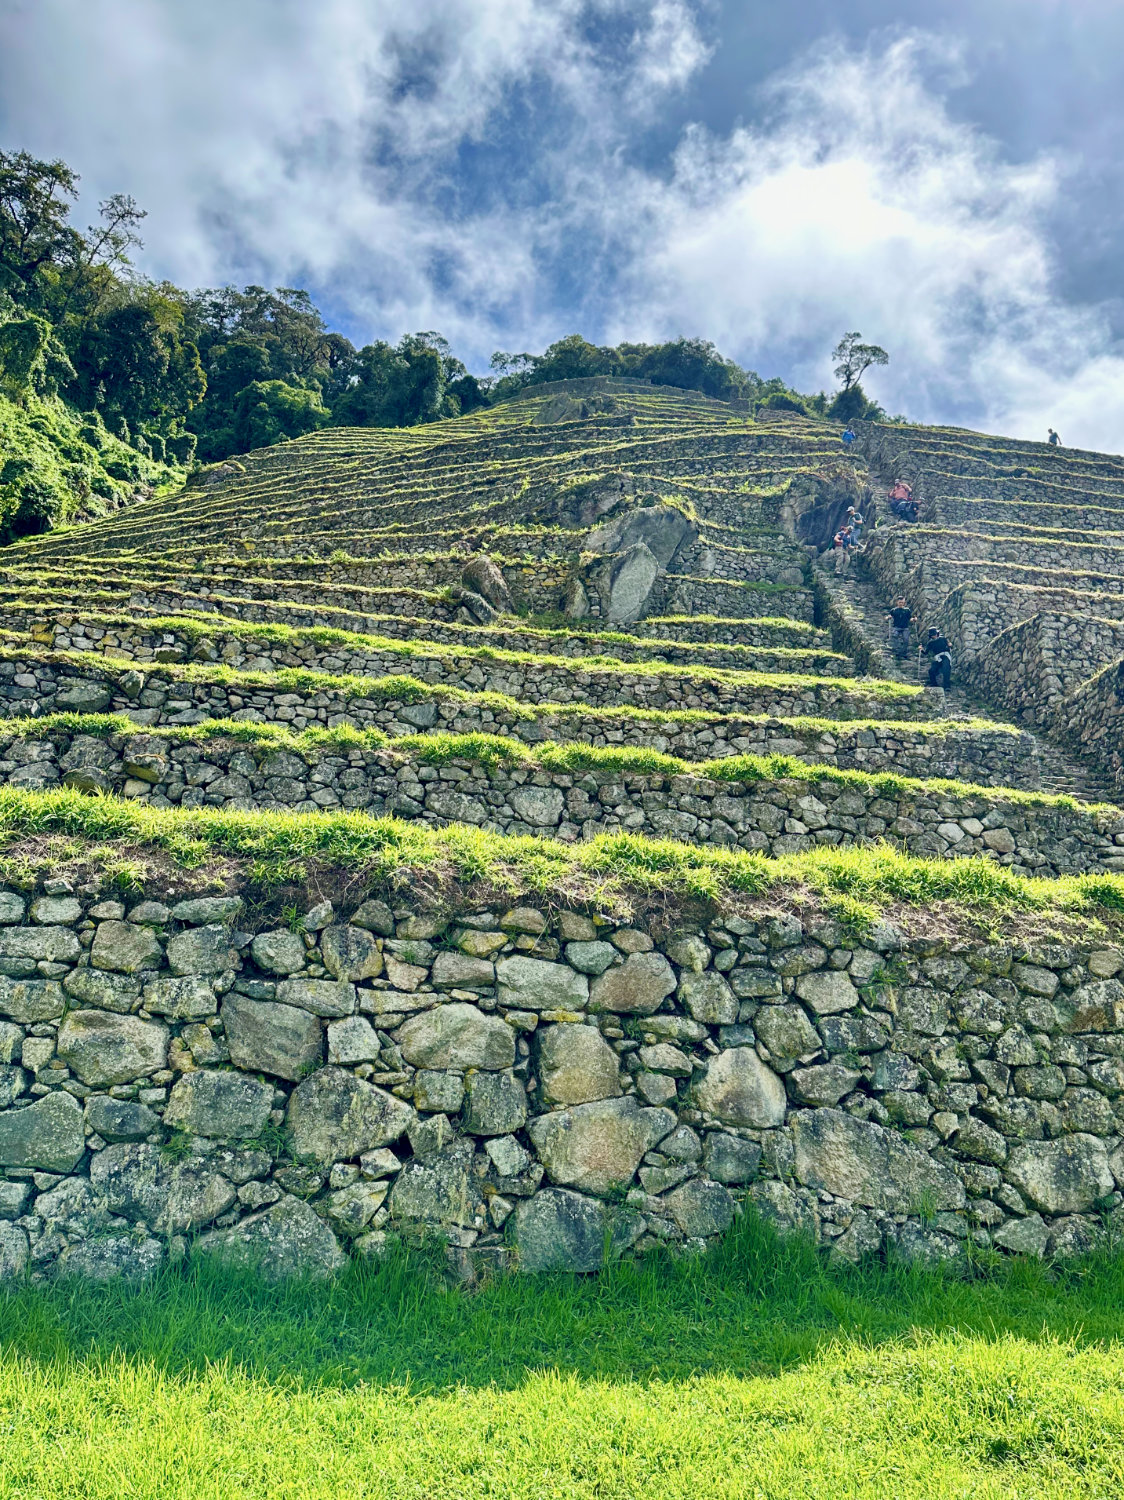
(757, 1371)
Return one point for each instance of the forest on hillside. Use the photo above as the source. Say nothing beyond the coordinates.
(110, 381)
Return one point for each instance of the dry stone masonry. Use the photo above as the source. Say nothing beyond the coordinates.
(576, 585)
(537, 1089)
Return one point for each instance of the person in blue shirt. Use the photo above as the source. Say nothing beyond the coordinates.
(1053, 440)
(848, 435)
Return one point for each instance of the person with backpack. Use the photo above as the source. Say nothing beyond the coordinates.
(941, 665)
(839, 543)
(900, 617)
(848, 435)
(1053, 440)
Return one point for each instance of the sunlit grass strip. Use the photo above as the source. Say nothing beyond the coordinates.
(859, 881)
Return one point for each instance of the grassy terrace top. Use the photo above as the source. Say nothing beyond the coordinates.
(487, 468)
(1032, 455)
(61, 829)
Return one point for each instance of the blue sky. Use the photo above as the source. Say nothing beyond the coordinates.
(944, 176)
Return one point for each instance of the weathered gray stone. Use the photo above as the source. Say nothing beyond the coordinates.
(727, 1158)
(48, 910)
(534, 984)
(438, 1092)
(350, 953)
(334, 1116)
(352, 1040)
(637, 988)
(203, 910)
(575, 1065)
(708, 998)
(278, 952)
(114, 1257)
(457, 1036)
(119, 992)
(352, 1208)
(103, 1048)
(979, 1142)
(286, 1239)
(442, 1191)
(1066, 1176)
(172, 1197)
(13, 1251)
(188, 997)
(225, 1105)
(664, 1058)
(495, 1103)
(21, 948)
(47, 1135)
(827, 991)
(125, 948)
(590, 956)
(787, 1032)
(560, 1231)
(119, 1119)
(825, 1084)
(14, 1082)
(661, 528)
(739, 1089)
(1026, 1236)
(456, 971)
(375, 916)
(631, 580)
(29, 1001)
(11, 1041)
(540, 806)
(597, 1147)
(700, 1208)
(861, 1161)
(270, 1038)
(323, 997)
(200, 950)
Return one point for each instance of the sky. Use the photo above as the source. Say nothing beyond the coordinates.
(944, 176)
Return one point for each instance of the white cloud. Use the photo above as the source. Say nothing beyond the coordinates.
(480, 166)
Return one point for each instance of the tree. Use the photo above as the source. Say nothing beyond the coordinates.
(34, 231)
(269, 411)
(853, 359)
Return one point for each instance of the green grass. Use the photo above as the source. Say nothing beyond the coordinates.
(756, 1371)
(856, 883)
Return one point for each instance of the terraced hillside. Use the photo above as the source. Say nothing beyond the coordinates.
(1019, 557)
(441, 715)
(578, 613)
(608, 572)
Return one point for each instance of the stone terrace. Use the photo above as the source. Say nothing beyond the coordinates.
(1019, 558)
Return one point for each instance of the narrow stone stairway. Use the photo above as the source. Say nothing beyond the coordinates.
(855, 611)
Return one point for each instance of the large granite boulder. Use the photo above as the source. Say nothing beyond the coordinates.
(859, 1160)
(457, 1035)
(172, 1197)
(597, 1147)
(104, 1048)
(266, 1037)
(1066, 1176)
(47, 1135)
(286, 1239)
(334, 1116)
(739, 1089)
(576, 1065)
(224, 1105)
(562, 1231)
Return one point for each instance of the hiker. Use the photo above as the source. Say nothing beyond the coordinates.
(842, 543)
(856, 523)
(941, 665)
(899, 618)
(1053, 439)
(848, 435)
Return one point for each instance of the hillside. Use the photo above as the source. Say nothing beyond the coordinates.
(552, 774)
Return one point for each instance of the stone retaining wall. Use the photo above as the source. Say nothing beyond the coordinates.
(1033, 667)
(1093, 719)
(539, 683)
(775, 817)
(988, 757)
(974, 615)
(536, 1089)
